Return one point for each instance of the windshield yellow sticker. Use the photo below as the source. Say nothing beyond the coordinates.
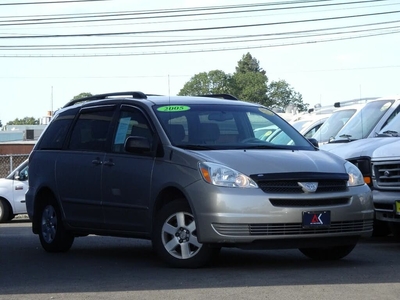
(173, 108)
(398, 207)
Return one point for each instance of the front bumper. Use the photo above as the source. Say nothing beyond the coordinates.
(385, 205)
(239, 216)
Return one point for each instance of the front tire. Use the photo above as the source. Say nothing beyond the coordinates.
(175, 237)
(328, 253)
(52, 233)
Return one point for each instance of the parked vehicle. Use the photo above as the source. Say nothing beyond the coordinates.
(385, 173)
(378, 160)
(335, 122)
(367, 122)
(308, 125)
(189, 174)
(12, 193)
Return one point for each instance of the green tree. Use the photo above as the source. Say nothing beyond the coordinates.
(213, 82)
(249, 64)
(281, 95)
(249, 82)
(24, 121)
(82, 95)
(251, 87)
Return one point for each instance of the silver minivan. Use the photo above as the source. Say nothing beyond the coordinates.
(189, 174)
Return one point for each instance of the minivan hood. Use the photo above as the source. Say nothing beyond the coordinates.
(363, 147)
(274, 161)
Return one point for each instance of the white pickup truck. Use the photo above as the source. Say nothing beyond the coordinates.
(378, 158)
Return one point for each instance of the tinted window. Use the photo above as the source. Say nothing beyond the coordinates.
(91, 130)
(55, 133)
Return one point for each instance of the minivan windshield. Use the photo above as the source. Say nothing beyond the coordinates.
(216, 126)
(333, 124)
(363, 122)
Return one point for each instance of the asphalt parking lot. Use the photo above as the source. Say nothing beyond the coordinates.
(105, 267)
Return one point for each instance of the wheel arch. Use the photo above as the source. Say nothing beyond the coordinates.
(44, 196)
(166, 196)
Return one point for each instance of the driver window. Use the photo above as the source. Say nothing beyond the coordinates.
(131, 123)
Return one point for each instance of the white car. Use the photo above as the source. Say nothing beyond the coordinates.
(12, 193)
(308, 125)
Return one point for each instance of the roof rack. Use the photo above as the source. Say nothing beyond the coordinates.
(354, 101)
(221, 96)
(138, 95)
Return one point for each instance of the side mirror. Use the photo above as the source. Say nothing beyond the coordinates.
(137, 145)
(314, 142)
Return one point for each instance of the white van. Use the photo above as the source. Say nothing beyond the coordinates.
(335, 122)
(367, 122)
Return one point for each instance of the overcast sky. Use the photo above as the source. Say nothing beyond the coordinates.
(328, 51)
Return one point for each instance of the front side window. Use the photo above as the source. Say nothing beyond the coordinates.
(131, 122)
(219, 126)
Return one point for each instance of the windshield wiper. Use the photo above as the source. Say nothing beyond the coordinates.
(347, 136)
(261, 147)
(196, 147)
(345, 139)
(388, 133)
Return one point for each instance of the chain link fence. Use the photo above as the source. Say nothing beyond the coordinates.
(9, 162)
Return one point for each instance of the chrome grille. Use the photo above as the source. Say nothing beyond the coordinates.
(387, 175)
(291, 228)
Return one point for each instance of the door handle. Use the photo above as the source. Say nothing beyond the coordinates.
(109, 163)
(96, 161)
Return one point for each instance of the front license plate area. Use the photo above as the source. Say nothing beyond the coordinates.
(316, 219)
(397, 204)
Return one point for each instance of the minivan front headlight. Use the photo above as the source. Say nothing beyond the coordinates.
(221, 175)
(355, 176)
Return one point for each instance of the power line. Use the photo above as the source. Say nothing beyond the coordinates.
(47, 2)
(143, 14)
(196, 29)
(216, 40)
(306, 36)
(195, 50)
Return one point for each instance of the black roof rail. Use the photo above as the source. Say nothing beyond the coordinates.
(138, 95)
(222, 96)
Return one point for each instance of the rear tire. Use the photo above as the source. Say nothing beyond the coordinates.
(328, 253)
(52, 233)
(175, 238)
(4, 211)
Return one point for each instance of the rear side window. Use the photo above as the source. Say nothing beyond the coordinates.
(91, 130)
(54, 135)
